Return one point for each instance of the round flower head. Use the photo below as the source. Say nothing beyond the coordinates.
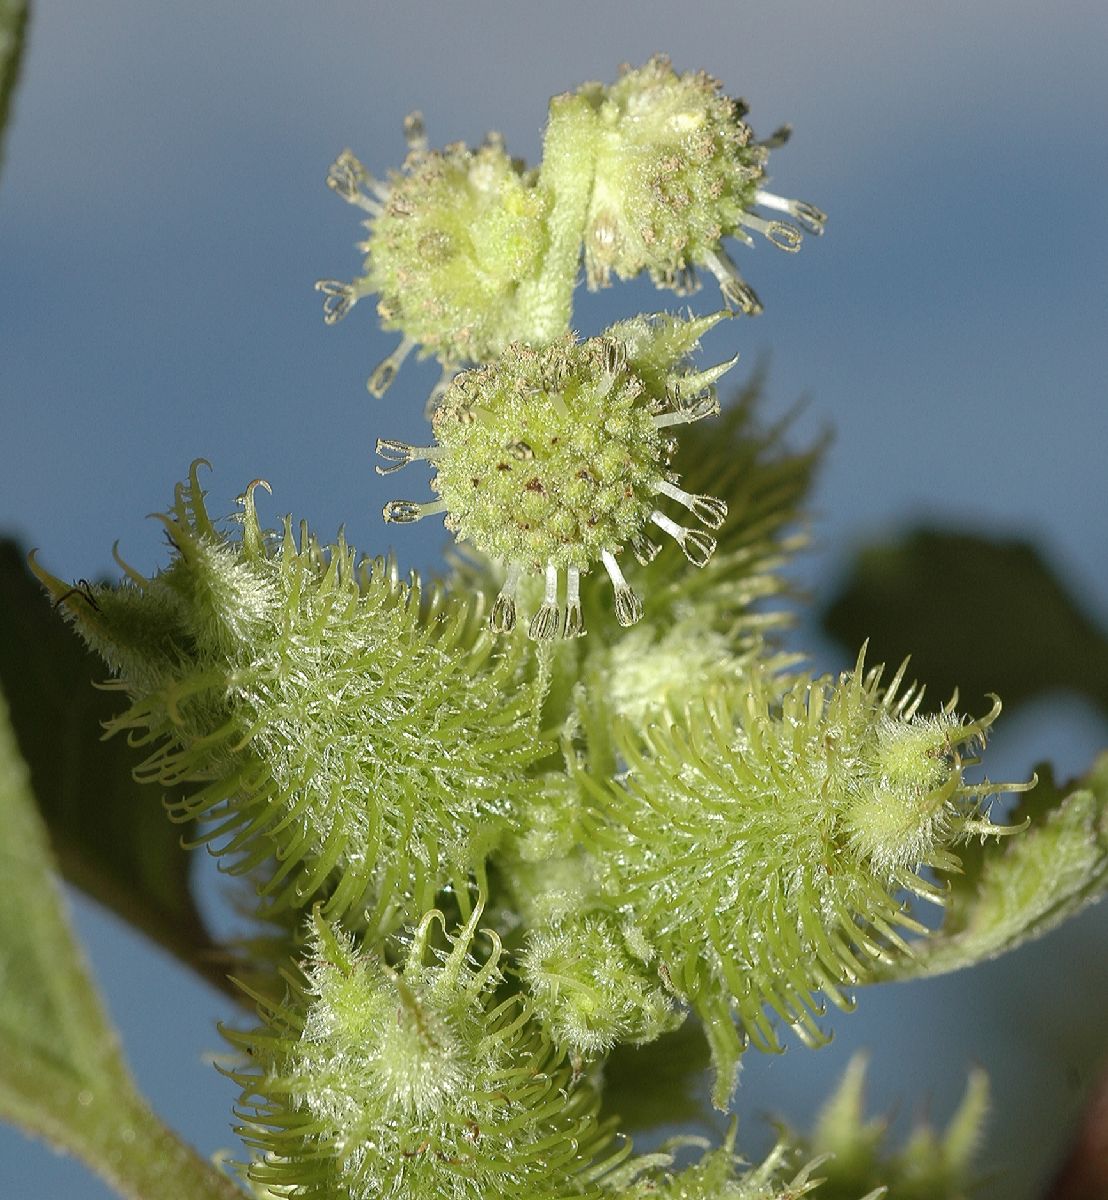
(677, 170)
(554, 459)
(450, 238)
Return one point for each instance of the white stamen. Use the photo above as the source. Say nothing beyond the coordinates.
(385, 371)
(575, 625)
(628, 605)
(697, 547)
(770, 200)
(551, 596)
(703, 406)
(708, 510)
(400, 454)
(812, 218)
(446, 377)
(734, 288)
(502, 619)
(407, 512)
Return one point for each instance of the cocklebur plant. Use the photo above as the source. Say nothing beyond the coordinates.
(496, 850)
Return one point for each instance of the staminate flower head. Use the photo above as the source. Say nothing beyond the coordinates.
(554, 459)
(677, 170)
(451, 237)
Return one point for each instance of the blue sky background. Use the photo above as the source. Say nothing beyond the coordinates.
(163, 216)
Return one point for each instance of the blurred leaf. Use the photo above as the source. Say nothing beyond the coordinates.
(49, 1010)
(110, 835)
(1023, 886)
(929, 1166)
(62, 1075)
(13, 35)
(1084, 1174)
(765, 485)
(975, 613)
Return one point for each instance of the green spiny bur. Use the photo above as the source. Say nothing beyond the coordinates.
(373, 1081)
(719, 1174)
(553, 460)
(323, 729)
(763, 844)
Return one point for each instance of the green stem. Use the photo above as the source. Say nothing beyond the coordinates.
(113, 1131)
(568, 169)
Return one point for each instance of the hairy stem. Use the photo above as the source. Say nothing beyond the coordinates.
(569, 155)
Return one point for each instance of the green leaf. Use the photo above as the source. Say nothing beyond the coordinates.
(980, 614)
(13, 33)
(62, 1076)
(1023, 887)
(110, 836)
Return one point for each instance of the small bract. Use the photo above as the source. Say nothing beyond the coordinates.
(677, 170)
(553, 460)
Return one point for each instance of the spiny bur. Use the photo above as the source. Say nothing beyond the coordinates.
(594, 986)
(765, 844)
(332, 728)
(415, 1080)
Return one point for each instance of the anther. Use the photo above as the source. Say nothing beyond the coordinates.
(615, 356)
(385, 371)
(547, 621)
(502, 619)
(399, 454)
(703, 406)
(346, 178)
(736, 292)
(407, 512)
(777, 138)
(681, 280)
(628, 605)
(778, 233)
(645, 549)
(340, 298)
(575, 622)
(707, 509)
(414, 132)
(697, 547)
